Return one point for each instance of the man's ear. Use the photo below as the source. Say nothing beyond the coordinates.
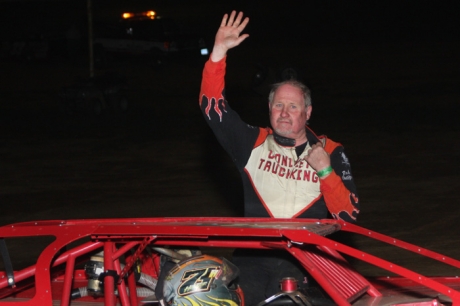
(308, 110)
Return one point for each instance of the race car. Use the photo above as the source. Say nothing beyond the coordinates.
(119, 262)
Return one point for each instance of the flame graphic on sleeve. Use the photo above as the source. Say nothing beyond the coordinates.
(216, 102)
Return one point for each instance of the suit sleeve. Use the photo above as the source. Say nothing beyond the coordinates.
(339, 189)
(235, 136)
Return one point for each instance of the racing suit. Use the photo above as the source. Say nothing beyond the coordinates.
(278, 183)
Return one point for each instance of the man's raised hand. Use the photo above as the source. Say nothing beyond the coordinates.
(228, 35)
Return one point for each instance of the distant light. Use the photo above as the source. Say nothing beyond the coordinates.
(150, 14)
(204, 51)
(127, 15)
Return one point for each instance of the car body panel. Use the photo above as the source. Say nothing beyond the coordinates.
(307, 240)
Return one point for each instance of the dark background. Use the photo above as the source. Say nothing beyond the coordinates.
(385, 83)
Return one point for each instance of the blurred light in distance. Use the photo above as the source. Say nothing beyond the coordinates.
(150, 14)
(127, 15)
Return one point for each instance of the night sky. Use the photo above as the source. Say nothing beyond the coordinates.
(297, 21)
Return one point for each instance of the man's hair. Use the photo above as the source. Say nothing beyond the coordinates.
(304, 89)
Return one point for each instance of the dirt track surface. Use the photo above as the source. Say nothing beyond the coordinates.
(394, 108)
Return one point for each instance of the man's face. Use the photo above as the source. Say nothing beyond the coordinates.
(288, 114)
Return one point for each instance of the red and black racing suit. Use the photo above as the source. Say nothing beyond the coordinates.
(277, 182)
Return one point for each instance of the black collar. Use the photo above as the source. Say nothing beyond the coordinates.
(284, 141)
(290, 142)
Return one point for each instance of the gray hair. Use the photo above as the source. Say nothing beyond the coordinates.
(304, 89)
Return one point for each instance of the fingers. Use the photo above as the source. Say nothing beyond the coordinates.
(224, 21)
(241, 38)
(240, 24)
(318, 144)
(311, 149)
(317, 147)
(317, 157)
(238, 20)
(230, 21)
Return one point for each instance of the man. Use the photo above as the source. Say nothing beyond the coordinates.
(287, 171)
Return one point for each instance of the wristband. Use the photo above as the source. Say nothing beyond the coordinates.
(324, 172)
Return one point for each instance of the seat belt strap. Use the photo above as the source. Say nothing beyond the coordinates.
(7, 262)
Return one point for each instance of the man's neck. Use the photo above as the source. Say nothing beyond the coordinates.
(301, 141)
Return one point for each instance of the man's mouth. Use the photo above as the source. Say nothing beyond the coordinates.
(284, 121)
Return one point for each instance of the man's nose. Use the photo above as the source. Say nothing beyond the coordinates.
(284, 112)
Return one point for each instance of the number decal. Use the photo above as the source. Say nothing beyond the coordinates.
(198, 280)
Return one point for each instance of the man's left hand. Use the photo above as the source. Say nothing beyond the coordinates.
(317, 157)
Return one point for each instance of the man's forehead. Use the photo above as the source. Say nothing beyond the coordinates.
(288, 93)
